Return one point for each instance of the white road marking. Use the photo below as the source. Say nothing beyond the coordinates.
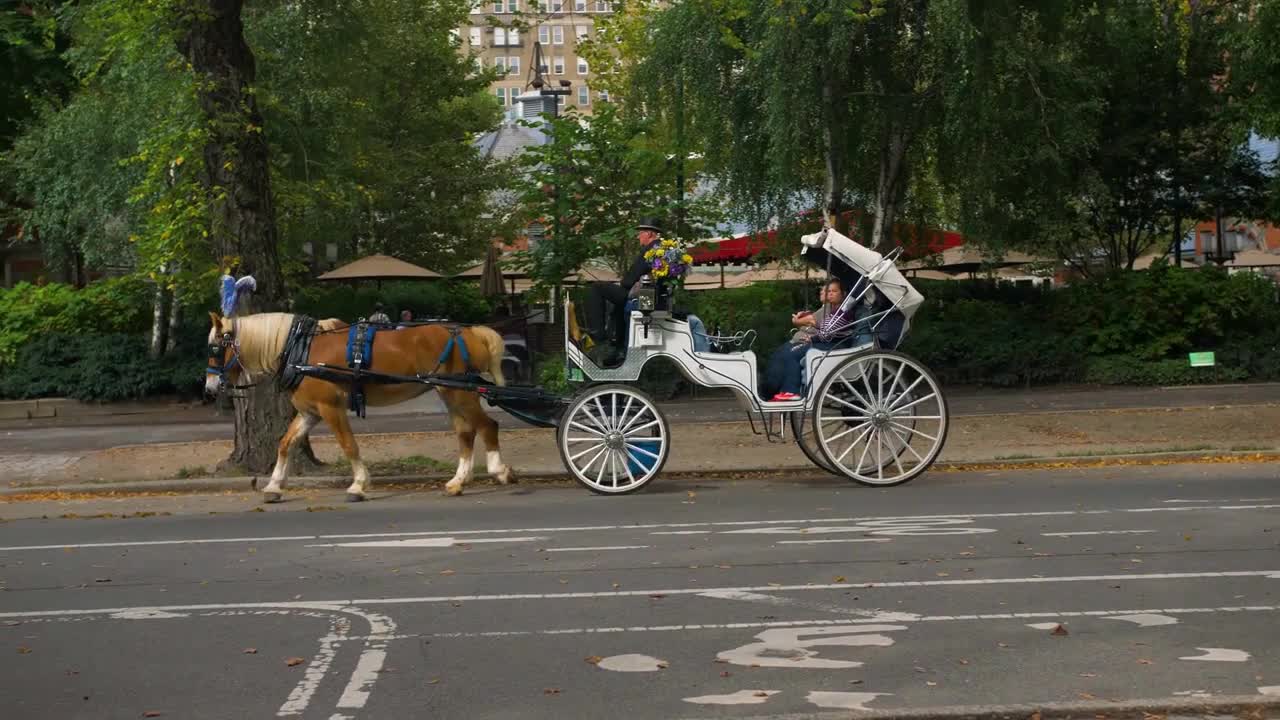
(381, 630)
(651, 526)
(680, 591)
(1097, 532)
(838, 540)
(790, 602)
(631, 663)
(1193, 693)
(601, 547)
(300, 698)
(784, 647)
(146, 615)
(1272, 690)
(1147, 620)
(842, 700)
(1189, 501)
(742, 697)
(842, 621)
(1219, 655)
(682, 532)
(435, 542)
(1043, 626)
(928, 526)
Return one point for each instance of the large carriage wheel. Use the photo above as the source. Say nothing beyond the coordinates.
(614, 439)
(880, 418)
(807, 439)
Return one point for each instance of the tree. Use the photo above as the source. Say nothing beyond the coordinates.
(601, 176)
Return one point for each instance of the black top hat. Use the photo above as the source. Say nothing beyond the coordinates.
(649, 223)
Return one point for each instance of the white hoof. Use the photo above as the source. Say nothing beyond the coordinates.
(453, 488)
(505, 476)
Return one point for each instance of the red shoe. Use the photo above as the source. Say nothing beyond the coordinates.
(785, 397)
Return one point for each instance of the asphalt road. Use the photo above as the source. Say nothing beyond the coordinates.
(89, 433)
(708, 599)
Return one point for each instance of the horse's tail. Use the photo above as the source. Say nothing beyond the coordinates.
(497, 349)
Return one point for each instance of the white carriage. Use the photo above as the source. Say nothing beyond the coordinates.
(869, 413)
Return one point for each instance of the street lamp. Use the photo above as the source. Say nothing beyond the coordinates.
(539, 83)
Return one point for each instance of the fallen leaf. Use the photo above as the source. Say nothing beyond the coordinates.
(663, 664)
(964, 662)
(838, 578)
(657, 596)
(102, 580)
(294, 661)
(434, 681)
(930, 683)
(724, 567)
(551, 691)
(616, 586)
(1089, 675)
(944, 574)
(563, 581)
(12, 623)
(1087, 696)
(1035, 716)
(726, 673)
(856, 682)
(152, 713)
(1059, 631)
(593, 659)
(446, 572)
(1002, 645)
(1144, 661)
(760, 694)
(920, 669)
(722, 662)
(24, 650)
(251, 651)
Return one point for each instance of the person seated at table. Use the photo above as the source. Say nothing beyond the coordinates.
(783, 376)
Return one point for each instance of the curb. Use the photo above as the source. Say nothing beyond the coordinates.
(1254, 707)
(247, 483)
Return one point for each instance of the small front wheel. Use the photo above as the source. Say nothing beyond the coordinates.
(613, 439)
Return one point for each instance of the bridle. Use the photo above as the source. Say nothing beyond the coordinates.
(220, 366)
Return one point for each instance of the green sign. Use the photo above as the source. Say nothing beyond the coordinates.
(1201, 359)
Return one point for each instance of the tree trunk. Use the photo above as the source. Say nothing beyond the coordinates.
(175, 322)
(238, 181)
(833, 137)
(893, 154)
(157, 322)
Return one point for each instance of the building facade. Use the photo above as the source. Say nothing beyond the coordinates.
(501, 34)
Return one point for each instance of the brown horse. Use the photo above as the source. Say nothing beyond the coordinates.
(249, 348)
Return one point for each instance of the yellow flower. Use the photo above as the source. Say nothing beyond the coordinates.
(660, 272)
(686, 258)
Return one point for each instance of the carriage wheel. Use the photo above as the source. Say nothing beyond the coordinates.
(880, 418)
(613, 439)
(802, 429)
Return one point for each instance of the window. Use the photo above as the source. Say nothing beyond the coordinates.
(582, 32)
(513, 65)
(501, 64)
(455, 36)
(498, 7)
(513, 6)
(502, 95)
(603, 96)
(499, 37)
(557, 35)
(579, 5)
(479, 65)
(602, 6)
(582, 66)
(475, 36)
(558, 65)
(557, 6)
(513, 36)
(544, 35)
(584, 95)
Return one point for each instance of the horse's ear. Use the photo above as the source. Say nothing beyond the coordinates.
(216, 319)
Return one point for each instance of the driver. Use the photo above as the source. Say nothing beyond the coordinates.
(603, 294)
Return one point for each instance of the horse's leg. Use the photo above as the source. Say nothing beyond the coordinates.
(466, 440)
(336, 417)
(469, 404)
(298, 430)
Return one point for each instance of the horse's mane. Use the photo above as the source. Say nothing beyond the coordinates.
(262, 337)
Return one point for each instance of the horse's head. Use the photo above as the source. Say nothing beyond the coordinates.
(224, 367)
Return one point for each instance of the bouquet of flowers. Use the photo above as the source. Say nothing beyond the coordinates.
(668, 260)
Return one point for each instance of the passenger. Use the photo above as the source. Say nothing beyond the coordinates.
(783, 377)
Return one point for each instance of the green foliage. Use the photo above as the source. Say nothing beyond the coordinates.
(459, 302)
(29, 312)
(1128, 370)
(103, 368)
(551, 374)
(765, 307)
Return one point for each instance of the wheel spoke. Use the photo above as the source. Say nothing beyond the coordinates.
(912, 404)
(906, 443)
(607, 421)
(852, 445)
(582, 439)
(906, 393)
(917, 417)
(841, 434)
(627, 466)
(592, 461)
(625, 409)
(845, 382)
(641, 450)
(584, 452)
(633, 431)
(913, 430)
(580, 426)
(847, 404)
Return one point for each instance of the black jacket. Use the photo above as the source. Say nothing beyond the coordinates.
(638, 269)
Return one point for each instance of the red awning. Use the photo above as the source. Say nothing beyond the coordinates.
(745, 247)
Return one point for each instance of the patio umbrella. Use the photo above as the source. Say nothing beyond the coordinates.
(379, 267)
(491, 275)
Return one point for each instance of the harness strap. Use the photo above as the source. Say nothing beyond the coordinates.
(455, 337)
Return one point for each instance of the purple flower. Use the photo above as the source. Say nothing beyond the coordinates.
(657, 263)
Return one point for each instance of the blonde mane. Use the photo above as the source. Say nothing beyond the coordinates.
(262, 338)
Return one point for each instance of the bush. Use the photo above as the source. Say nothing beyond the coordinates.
(27, 312)
(457, 301)
(103, 368)
(1126, 370)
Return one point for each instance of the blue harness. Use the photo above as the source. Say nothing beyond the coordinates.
(359, 357)
(455, 336)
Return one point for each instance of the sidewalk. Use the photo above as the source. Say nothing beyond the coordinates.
(973, 438)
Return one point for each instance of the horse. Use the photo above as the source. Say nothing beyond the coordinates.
(252, 347)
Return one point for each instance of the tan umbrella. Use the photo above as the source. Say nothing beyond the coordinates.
(491, 277)
(379, 267)
(1254, 258)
